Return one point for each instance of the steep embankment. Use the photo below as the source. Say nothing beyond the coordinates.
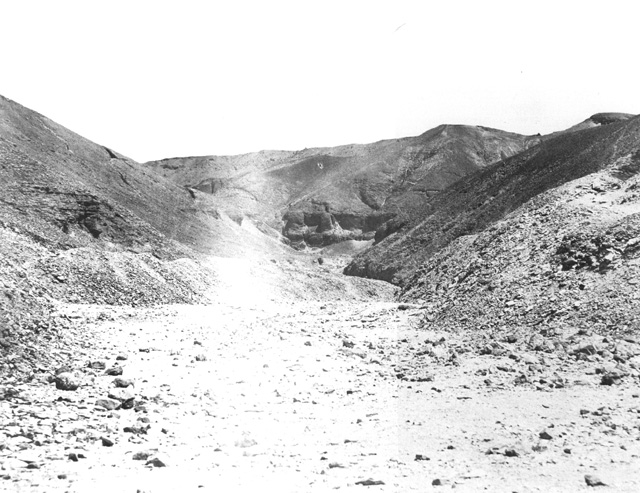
(566, 261)
(476, 202)
(81, 223)
(98, 225)
(325, 195)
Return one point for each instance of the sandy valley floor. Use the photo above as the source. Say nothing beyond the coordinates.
(310, 397)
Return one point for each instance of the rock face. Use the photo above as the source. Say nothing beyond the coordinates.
(316, 197)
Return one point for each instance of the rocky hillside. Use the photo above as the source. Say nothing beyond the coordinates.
(80, 223)
(475, 203)
(566, 261)
(320, 196)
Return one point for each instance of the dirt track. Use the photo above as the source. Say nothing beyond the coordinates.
(311, 397)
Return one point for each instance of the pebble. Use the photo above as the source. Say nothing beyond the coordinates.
(123, 383)
(114, 371)
(128, 404)
(136, 430)
(67, 381)
(593, 480)
(544, 434)
(121, 395)
(108, 404)
(369, 482)
(610, 378)
(156, 463)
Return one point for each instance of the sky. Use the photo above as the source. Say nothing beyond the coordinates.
(154, 79)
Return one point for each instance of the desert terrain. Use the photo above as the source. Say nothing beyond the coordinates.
(188, 324)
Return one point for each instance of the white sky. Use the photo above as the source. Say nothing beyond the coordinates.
(155, 79)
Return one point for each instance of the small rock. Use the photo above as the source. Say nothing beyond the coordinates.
(308, 343)
(33, 465)
(108, 404)
(122, 357)
(114, 371)
(369, 482)
(136, 430)
(97, 365)
(436, 482)
(121, 395)
(156, 463)
(67, 381)
(201, 357)
(141, 455)
(106, 442)
(545, 435)
(421, 457)
(128, 404)
(593, 480)
(347, 343)
(610, 378)
(122, 383)
(62, 476)
(73, 457)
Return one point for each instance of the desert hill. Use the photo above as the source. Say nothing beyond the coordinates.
(321, 196)
(476, 202)
(80, 223)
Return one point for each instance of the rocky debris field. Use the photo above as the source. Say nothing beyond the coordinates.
(561, 267)
(315, 396)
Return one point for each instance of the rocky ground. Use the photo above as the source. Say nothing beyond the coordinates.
(136, 355)
(244, 395)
